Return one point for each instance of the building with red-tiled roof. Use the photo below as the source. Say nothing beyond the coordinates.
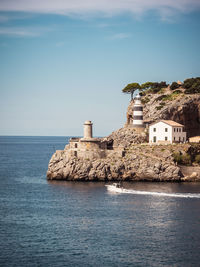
(166, 131)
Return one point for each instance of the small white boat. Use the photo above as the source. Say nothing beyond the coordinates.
(115, 187)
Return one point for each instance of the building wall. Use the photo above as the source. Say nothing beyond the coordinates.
(163, 131)
(195, 139)
(178, 135)
(160, 133)
(86, 149)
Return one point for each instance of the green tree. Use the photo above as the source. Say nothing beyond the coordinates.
(156, 87)
(131, 88)
(147, 85)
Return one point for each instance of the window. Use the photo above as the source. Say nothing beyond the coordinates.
(174, 129)
(174, 138)
(154, 139)
(154, 129)
(76, 145)
(179, 139)
(166, 130)
(165, 138)
(179, 129)
(75, 153)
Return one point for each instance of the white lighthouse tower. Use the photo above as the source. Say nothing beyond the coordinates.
(138, 113)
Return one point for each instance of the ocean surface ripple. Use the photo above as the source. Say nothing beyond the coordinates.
(60, 224)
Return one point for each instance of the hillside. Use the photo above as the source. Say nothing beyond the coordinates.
(171, 105)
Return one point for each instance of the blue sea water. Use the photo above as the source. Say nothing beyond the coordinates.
(81, 224)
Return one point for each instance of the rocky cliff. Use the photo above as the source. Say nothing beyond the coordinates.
(128, 156)
(140, 162)
(169, 105)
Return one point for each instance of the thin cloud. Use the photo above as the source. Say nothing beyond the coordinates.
(120, 36)
(17, 32)
(100, 7)
(23, 31)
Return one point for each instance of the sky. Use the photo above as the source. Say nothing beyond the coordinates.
(64, 62)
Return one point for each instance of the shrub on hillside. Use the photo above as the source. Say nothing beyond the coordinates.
(186, 159)
(176, 92)
(160, 106)
(171, 96)
(177, 157)
(160, 97)
(197, 159)
(174, 86)
(156, 87)
(145, 100)
(183, 159)
(192, 85)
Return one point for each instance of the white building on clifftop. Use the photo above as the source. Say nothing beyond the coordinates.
(166, 131)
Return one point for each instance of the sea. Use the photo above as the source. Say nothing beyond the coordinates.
(60, 223)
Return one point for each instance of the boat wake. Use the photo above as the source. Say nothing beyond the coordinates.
(114, 189)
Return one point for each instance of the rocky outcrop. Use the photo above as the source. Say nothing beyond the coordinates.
(125, 137)
(140, 162)
(181, 108)
(128, 156)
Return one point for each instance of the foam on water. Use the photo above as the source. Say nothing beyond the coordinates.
(113, 189)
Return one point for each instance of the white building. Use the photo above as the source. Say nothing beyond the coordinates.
(166, 131)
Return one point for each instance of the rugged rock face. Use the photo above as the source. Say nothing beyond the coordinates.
(181, 108)
(141, 162)
(125, 137)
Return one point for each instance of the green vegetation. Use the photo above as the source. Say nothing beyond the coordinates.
(197, 159)
(145, 100)
(148, 87)
(192, 85)
(171, 96)
(183, 159)
(160, 97)
(160, 106)
(131, 88)
(156, 87)
(194, 152)
(189, 156)
(177, 92)
(174, 86)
